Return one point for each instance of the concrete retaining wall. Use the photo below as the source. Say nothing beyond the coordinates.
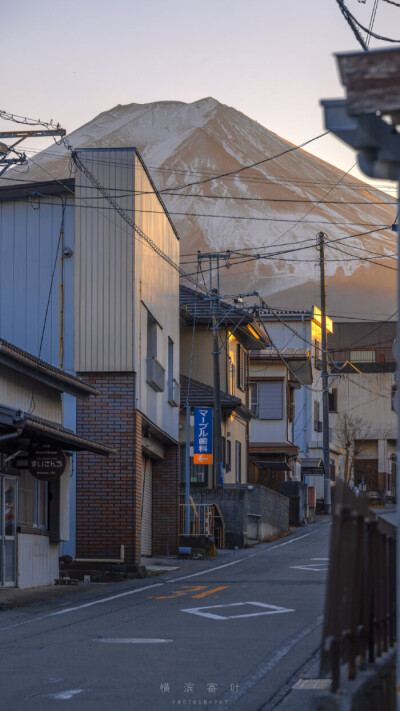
(250, 512)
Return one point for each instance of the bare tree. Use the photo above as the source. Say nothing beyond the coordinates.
(350, 432)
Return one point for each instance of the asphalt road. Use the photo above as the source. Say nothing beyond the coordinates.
(228, 633)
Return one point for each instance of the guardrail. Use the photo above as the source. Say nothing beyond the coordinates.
(360, 604)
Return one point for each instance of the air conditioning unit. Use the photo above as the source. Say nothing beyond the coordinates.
(155, 374)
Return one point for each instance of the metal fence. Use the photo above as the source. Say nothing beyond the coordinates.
(360, 605)
(204, 519)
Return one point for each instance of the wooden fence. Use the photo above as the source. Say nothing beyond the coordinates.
(360, 605)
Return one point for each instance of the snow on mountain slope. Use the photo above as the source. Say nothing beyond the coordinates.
(276, 206)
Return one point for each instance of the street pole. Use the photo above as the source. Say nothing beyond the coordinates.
(218, 463)
(397, 408)
(325, 384)
(187, 472)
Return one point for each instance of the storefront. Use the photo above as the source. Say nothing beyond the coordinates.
(36, 454)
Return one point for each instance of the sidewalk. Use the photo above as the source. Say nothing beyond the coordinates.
(58, 595)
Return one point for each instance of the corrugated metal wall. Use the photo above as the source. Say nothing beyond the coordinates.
(104, 263)
(157, 287)
(29, 236)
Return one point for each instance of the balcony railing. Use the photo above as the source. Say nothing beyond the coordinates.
(174, 393)
(155, 374)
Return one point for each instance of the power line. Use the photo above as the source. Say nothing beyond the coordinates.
(355, 24)
(247, 167)
(243, 217)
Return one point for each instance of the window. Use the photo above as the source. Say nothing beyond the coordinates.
(32, 501)
(394, 388)
(270, 400)
(254, 398)
(332, 398)
(151, 336)
(241, 367)
(228, 455)
(173, 389)
(238, 448)
(223, 452)
(362, 356)
(317, 422)
(291, 405)
(232, 378)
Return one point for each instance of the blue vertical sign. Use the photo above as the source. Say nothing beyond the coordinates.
(203, 435)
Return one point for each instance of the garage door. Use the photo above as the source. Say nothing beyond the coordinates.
(146, 548)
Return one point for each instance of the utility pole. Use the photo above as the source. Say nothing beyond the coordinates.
(218, 461)
(324, 375)
(20, 158)
(218, 472)
(187, 470)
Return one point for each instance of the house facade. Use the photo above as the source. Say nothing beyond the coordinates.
(273, 382)
(245, 511)
(89, 280)
(362, 404)
(302, 329)
(35, 465)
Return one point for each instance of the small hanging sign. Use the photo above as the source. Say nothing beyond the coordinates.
(47, 464)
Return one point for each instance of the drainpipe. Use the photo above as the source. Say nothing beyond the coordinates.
(13, 435)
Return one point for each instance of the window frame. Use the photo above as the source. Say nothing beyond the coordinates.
(267, 383)
(238, 461)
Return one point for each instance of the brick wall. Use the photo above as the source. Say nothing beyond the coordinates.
(166, 503)
(108, 490)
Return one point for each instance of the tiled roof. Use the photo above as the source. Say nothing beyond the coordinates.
(202, 394)
(197, 304)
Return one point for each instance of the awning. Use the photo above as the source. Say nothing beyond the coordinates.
(312, 467)
(26, 426)
(273, 466)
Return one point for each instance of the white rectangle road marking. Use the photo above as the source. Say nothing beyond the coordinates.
(267, 610)
(131, 640)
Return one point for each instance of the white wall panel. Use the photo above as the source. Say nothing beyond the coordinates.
(37, 560)
(18, 390)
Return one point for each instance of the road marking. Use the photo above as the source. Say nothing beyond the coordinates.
(147, 587)
(210, 592)
(186, 590)
(316, 567)
(319, 558)
(131, 640)
(313, 684)
(292, 540)
(80, 607)
(63, 695)
(269, 664)
(267, 610)
(208, 570)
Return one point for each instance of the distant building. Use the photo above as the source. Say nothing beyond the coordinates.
(274, 378)
(363, 392)
(302, 329)
(249, 512)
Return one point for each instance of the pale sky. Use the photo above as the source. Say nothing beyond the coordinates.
(271, 59)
